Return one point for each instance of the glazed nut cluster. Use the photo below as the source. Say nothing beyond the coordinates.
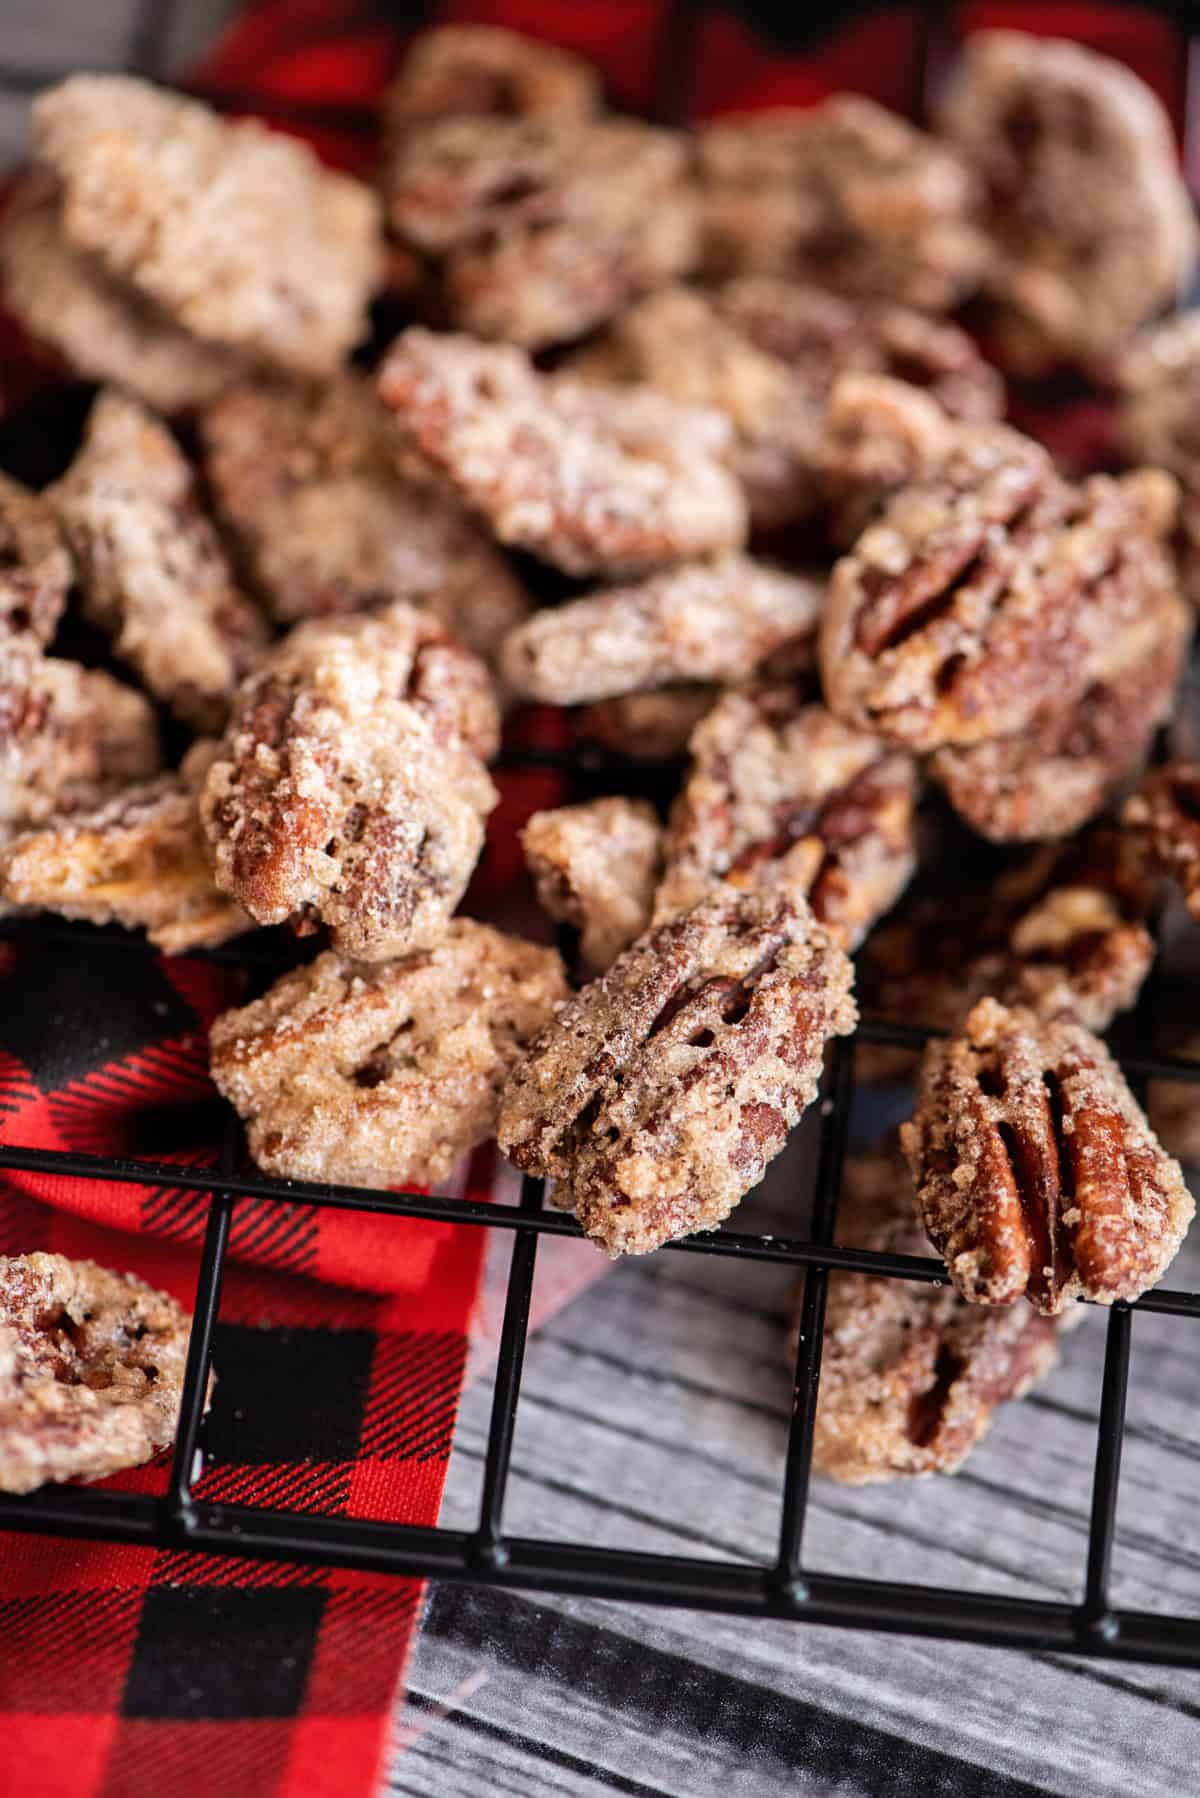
(692, 449)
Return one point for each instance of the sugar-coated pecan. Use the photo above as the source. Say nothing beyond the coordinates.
(235, 232)
(595, 866)
(383, 1075)
(1063, 934)
(650, 727)
(1037, 1174)
(1173, 1106)
(783, 795)
(910, 1373)
(1052, 777)
(1159, 422)
(546, 227)
(138, 860)
(845, 192)
(102, 331)
(35, 569)
(305, 481)
(91, 1370)
(657, 1096)
(598, 481)
(150, 563)
(69, 736)
(1043, 121)
(347, 788)
(1164, 817)
(482, 69)
(703, 621)
(991, 590)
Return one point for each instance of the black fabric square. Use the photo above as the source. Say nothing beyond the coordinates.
(287, 1395)
(220, 1651)
(69, 1011)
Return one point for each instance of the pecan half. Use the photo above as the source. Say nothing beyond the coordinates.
(545, 227)
(35, 569)
(306, 484)
(91, 1370)
(595, 867)
(481, 69)
(385, 1075)
(1159, 422)
(845, 192)
(1164, 817)
(782, 795)
(69, 736)
(990, 591)
(347, 787)
(1173, 1106)
(598, 481)
(910, 1373)
(705, 621)
(657, 1095)
(649, 727)
(1051, 778)
(1037, 1174)
(151, 565)
(1044, 121)
(138, 860)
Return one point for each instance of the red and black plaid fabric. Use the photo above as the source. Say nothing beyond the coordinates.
(129, 1671)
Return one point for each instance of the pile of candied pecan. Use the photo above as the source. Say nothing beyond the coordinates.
(718, 400)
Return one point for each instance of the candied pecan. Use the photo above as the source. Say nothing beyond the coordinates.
(910, 1373)
(595, 866)
(151, 565)
(1063, 934)
(1164, 816)
(344, 789)
(596, 481)
(91, 1370)
(485, 69)
(991, 590)
(69, 736)
(385, 1075)
(138, 860)
(658, 1094)
(782, 795)
(1052, 777)
(1173, 1106)
(101, 330)
(705, 621)
(305, 482)
(650, 727)
(236, 232)
(1159, 422)
(35, 569)
(1044, 122)
(546, 227)
(846, 192)
(1037, 1174)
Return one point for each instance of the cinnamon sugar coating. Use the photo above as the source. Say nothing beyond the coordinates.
(1163, 817)
(234, 231)
(348, 788)
(1159, 422)
(657, 1096)
(910, 1373)
(91, 1370)
(151, 565)
(1044, 121)
(595, 867)
(69, 736)
(1037, 1174)
(384, 1075)
(704, 621)
(101, 329)
(485, 69)
(991, 590)
(846, 193)
(545, 227)
(783, 796)
(304, 479)
(597, 481)
(651, 727)
(35, 569)
(137, 860)
(1051, 778)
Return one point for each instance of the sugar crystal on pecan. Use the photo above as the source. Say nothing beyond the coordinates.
(1164, 817)
(595, 867)
(69, 736)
